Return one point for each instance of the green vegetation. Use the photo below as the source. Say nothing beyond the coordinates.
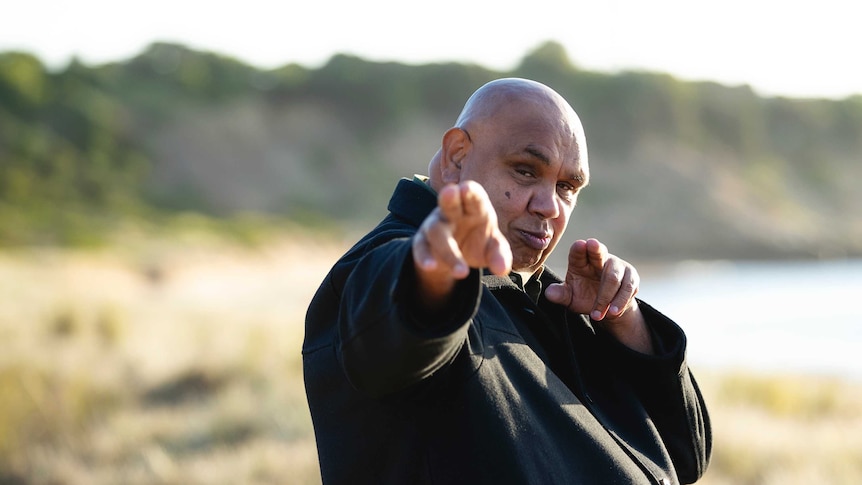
(719, 170)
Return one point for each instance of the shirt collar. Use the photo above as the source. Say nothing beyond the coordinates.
(533, 287)
(424, 181)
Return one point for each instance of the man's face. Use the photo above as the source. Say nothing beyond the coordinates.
(532, 168)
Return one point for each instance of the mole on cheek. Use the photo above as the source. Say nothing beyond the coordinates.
(508, 195)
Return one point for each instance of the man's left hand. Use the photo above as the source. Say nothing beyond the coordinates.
(603, 286)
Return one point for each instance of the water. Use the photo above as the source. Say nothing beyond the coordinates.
(776, 316)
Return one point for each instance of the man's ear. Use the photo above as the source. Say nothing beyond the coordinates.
(456, 146)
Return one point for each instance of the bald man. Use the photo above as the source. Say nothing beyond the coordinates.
(441, 350)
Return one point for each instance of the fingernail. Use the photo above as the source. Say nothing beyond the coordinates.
(596, 315)
(615, 310)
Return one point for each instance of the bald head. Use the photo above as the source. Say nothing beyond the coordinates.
(514, 104)
(501, 94)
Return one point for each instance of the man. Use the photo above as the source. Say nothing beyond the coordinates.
(440, 350)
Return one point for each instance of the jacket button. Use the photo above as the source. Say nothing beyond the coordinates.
(529, 310)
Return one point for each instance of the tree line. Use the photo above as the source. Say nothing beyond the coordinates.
(86, 148)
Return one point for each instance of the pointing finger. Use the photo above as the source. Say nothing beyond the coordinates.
(474, 199)
(450, 204)
(422, 252)
(609, 286)
(596, 254)
(443, 247)
(627, 291)
(578, 256)
(498, 253)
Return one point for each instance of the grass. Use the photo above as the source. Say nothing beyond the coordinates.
(783, 429)
(113, 375)
(177, 362)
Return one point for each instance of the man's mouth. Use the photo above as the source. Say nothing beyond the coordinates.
(536, 240)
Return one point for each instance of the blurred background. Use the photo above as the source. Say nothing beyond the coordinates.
(177, 177)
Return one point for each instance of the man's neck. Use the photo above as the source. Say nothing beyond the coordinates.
(525, 275)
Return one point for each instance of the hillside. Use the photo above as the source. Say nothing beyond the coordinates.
(679, 169)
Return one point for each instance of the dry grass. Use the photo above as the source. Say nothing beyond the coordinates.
(162, 363)
(178, 363)
(779, 429)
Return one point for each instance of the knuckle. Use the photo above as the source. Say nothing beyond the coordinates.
(615, 276)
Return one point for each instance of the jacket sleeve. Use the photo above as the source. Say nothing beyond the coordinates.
(669, 393)
(384, 345)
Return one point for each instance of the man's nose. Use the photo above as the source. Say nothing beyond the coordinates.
(544, 203)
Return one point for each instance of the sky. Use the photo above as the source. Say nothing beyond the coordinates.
(779, 48)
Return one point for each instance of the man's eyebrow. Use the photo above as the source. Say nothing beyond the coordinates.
(535, 152)
(579, 177)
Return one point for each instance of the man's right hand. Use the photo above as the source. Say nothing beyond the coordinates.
(461, 233)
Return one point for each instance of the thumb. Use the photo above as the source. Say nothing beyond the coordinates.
(558, 293)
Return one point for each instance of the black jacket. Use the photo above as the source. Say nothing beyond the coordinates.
(499, 390)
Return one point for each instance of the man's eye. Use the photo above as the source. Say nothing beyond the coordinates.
(567, 191)
(525, 173)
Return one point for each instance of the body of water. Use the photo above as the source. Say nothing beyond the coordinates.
(769, 316)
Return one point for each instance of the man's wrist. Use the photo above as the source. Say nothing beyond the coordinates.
(433, 289)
